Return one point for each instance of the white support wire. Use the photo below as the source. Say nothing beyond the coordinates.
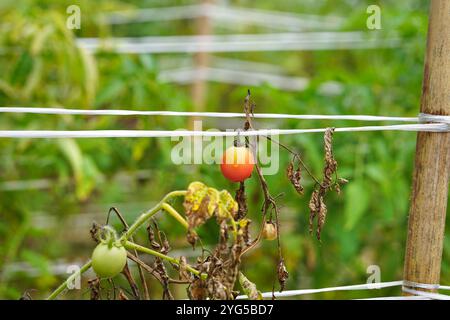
(52, 134)
(172, 62)
(367, 286)
(246, 65)
(239, 43)
(264, 18)
(430, 295)
(292, 293)
(116, 112)
(438, 124)
(188, 75)
(397, 298)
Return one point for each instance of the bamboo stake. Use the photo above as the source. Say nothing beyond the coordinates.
(426, 225)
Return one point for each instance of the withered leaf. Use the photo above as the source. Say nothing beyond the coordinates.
(200, 203)
(197, 290)
(227, 205)
(295, 176)
(313, 209)
(249, 288)
(317, 208)
(192, 237)
(94, 231)
(283, 274)
(330, 163)
(183, 272)
(321, 216)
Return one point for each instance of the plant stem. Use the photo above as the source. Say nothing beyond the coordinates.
(174, 213)
(148, 214)
(131, 245)
(63, 286)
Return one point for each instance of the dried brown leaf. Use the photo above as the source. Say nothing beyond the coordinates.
(197, 290)
(283, 274)
(330, 163)
(295, 176)
(183, 272)
(321, 216)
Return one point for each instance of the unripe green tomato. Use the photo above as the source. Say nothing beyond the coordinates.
(108, 262)
(270, 231)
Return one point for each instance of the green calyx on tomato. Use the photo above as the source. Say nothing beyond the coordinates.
(109, 257)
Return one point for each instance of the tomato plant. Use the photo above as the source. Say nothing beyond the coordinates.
(237, 164)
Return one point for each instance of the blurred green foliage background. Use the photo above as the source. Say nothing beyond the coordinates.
(52, 190)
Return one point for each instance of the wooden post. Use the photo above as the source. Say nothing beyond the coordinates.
(426, 225)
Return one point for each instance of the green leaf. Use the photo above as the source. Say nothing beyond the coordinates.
(356, 203)
(90, 75)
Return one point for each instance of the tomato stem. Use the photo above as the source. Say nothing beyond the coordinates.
(63, 286)
(135, 246)
(148, 214)
(174, 213)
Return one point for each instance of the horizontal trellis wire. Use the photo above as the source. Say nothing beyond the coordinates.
(438, 124)
(266, 18)
(366, 286)
(111, 112)
(435, 127)
(240, 42)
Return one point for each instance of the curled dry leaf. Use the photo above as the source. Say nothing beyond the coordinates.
(227, 206)
(249, 288)
(283, 274)
(183, 272)
(330, 163)
(314, 204)
(94, 231)
(321, 216)
(197, 290)
(340, 182)
(202, 202)
(317, 206)
(199, 204)
(192, 237)
(295, 176)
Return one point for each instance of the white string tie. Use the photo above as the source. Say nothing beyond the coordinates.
(433, 118)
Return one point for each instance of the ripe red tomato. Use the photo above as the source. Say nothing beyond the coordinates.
(237, 164)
